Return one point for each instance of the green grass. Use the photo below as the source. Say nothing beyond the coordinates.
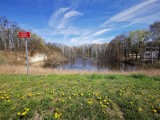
(79, 97)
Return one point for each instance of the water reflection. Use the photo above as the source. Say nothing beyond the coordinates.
(89, 64)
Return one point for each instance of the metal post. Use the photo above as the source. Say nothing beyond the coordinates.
(27, 56)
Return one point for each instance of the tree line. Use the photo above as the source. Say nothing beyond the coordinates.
(126, 46)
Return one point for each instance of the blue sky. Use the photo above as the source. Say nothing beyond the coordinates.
(76, 22)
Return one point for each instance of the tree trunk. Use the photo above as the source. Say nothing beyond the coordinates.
(159, 54)
(136, 56)
(151, 54)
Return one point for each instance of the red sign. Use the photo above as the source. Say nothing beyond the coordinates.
(24, 34)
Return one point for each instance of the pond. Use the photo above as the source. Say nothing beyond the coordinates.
(89, 64)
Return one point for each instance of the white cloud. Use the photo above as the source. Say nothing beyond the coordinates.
(98, 41)
(101, 32)
(141, 10)
(68, 17)
(56, 16)
(72, 14)
(88, 38)
(61, 21)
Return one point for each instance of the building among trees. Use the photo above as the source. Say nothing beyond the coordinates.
(150, 53)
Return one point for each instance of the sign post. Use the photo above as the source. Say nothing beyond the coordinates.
(25, 35)
(27, 56)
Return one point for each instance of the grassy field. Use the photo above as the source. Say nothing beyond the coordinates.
(79, 97)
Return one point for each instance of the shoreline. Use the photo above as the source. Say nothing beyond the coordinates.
(36, 70)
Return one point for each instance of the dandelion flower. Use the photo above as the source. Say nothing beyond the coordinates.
(18, 113)
(154, 110)
(57, 115)
(140, 109)
(24, 113)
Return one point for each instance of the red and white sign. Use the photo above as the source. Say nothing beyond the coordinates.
(24, 34)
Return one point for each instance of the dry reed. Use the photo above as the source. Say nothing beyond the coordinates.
(35, 70)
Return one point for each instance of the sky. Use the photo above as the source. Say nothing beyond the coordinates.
(77, 22)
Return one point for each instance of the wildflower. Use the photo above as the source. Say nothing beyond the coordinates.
(103, 106)
(140, 109)
(69, 97)
(2, 98)
(105, 100)
(56, 109)
(18, 113)
(7, 97)
(154, 110)
(5, 94)
(22, 97)
(62, 93)
(131, 102)
(90, 102)
(26, 109)
(81, 94)
(100, 102)
(57, 115)
(100, 98)
(30, 95)
(24, 113)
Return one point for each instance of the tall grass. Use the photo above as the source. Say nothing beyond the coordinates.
(2, 60)
(35, 70)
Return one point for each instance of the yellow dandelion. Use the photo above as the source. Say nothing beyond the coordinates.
(56, 109)
(105, 100)
(18, 113)
(24, 113)
(57, 115)
(26, 109)
(100, 102)
(107, 103)
(131, 103)
(140, 109)
(154, 110)
(90, 102)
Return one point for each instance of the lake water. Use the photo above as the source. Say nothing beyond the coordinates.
(88, 64)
